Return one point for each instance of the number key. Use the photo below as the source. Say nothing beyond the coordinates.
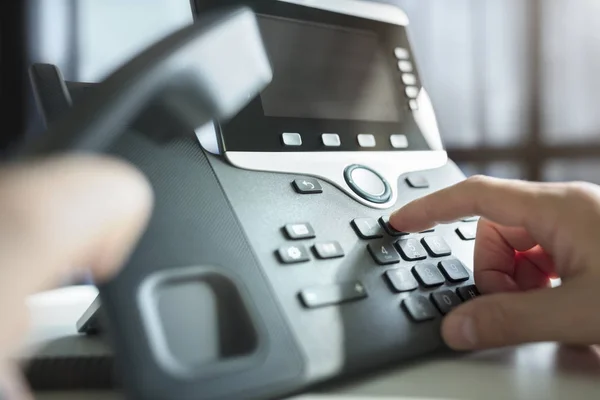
(411, 249)
(402, 280)
(436, 246)
(428, 275)
(445, 301)
(454, 270)
(419, 308)
(383, 253)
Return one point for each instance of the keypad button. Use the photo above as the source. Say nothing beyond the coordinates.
(383, 253)
(454, 270)
(436, 246)
(412, 92)
(326, 250)
(299, 231)
(399, 141)
(405, 66)
(411, 249)
(401, 53)
(385, 223)
(401, 280)
(428, 275)
(417, 182)
(445, 301)
(291, 139)
(468, 292)
(366, 140)
(367, 228)
(293, 254)
(331, 139)
(409, 79)
(470, 219)
(413, 104)
(466, 232)
(321, 296)
(419, 308)
(307, 186)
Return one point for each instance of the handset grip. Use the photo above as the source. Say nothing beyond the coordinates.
(209, 70)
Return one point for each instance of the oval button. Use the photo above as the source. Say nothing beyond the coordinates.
(367, 183)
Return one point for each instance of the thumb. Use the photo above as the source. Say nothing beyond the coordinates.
(565, 314)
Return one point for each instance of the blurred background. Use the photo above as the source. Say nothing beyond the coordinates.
(515, 83)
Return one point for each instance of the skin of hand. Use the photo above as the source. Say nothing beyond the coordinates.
(528, 233)
(61, 215)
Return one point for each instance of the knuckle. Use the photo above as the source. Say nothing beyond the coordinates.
(477, 180)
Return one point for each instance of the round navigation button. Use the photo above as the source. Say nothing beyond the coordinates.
(367, 183)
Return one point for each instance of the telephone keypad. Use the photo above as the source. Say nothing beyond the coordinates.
(426, 286)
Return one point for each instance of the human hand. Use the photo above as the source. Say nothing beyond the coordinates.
(528, 233)
(57, 217)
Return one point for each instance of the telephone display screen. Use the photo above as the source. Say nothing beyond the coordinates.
(328, 73)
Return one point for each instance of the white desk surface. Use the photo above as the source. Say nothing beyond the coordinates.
(542, 371)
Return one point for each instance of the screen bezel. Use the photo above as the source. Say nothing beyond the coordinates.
(265, 132)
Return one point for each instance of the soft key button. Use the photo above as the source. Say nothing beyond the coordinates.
(291, 139)
(299, 231)
(331, 139)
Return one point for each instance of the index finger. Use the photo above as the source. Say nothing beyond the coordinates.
(506, 202)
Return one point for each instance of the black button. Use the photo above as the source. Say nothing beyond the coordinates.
(367, 183)
(417, 182)
(402, 280)
(307, 186)
(466, 232)
(335, 294)
(428, 230)
(299, 231)
(468, 292)
(445, 301)
(293, 254)
(419, 308)
(436, 246)
(385, 222)
(383, 253)
(411, 249)
(367, 228)
(454, 270)
(328, 250)
(428, 275)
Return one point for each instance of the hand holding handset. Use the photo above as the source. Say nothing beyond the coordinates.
(204, 72)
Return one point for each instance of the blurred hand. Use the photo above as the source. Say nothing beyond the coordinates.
(58, 216)
(528, 233)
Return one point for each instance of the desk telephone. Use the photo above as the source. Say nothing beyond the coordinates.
(278, 140)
